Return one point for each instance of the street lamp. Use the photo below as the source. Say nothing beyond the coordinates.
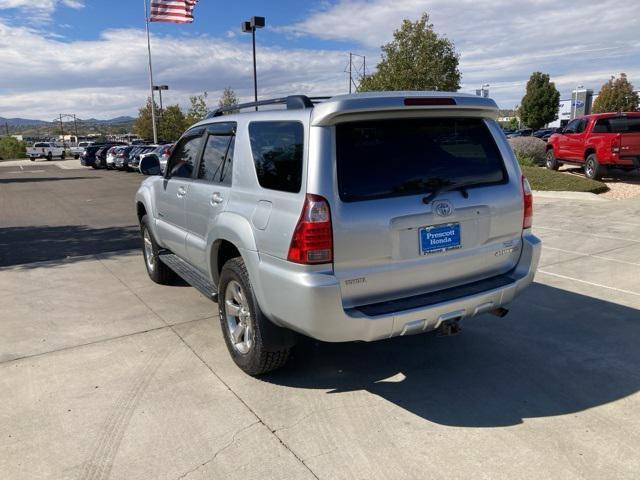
(160, 88)
(250, 27)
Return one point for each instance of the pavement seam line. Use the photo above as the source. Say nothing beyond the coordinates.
(216, 375)
(71, 347)
(588, 234)
(253, 412)
(592, 255)
(630, 292)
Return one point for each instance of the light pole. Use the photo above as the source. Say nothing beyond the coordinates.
(574, 103)
(159, 89)
(250, 27)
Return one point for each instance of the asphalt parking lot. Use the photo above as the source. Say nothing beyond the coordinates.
(104, 374)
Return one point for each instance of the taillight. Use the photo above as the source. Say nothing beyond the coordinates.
(312, 240)
(615, 145)
(527, 220)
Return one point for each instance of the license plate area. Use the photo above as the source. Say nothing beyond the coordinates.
(439, 238)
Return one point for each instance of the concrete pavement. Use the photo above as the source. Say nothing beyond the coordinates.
(105, 374)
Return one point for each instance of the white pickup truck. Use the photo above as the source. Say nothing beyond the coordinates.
(81, 147)
(46, 150)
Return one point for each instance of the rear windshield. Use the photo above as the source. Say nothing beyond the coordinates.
(391, 158)
(617, 125)
(40, 145)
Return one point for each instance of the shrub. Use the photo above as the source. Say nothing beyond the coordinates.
(529, 149)
(12, 148)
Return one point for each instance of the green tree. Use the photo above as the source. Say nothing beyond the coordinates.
(198, 109)
(616, 95)
(541, 103)
(143, 126)
(12, 148)
(417, 59)
(228, 99)
(171, 123)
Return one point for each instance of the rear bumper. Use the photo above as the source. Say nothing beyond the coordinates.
(310, 303)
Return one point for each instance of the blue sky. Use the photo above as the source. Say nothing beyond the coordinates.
(89, 56)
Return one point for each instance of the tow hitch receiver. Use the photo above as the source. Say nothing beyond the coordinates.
(449, 328)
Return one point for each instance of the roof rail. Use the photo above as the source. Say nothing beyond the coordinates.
(293, 102)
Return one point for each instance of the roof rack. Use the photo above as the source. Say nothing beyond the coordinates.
(293, 102)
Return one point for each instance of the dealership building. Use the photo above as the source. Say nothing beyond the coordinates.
(578, 105)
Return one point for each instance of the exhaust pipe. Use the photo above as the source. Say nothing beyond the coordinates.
(499, 312)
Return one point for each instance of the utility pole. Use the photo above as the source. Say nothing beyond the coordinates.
(62, 129)
(357, 71)
(75, 126)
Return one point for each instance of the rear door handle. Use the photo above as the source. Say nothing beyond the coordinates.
(216, 198)
(181, 192)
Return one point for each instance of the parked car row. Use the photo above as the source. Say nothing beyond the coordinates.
(120, 156)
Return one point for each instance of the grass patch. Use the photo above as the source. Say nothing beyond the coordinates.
(548, 180)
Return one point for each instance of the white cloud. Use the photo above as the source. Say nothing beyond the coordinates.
(501, 41)
(38, 11)
(109, 76)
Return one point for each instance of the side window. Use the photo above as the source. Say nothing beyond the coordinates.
(216, 164)
(602, 126)
(277, 154)
(184, 157)
(572, 127)
(582, 124)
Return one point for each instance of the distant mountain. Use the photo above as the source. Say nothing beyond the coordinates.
(21, 122)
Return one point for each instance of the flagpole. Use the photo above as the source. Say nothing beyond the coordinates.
(153, 101)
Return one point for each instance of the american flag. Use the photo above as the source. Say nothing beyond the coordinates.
(173, 11)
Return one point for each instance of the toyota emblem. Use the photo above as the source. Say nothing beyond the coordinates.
(443, 208)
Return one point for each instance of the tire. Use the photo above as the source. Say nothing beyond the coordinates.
(592, 169)
(49, 157)
(76, 156)
(158, 271)
(32, 159)
(63, 156)
(265, 347)
(550, 160)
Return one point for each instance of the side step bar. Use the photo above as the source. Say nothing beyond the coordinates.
(190, 275)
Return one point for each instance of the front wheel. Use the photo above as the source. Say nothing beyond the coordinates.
(62, 157)
(550, 160)
(592, 169)
(49, 157)
(256, 345)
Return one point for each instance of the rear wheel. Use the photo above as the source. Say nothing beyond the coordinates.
(62, 157)
(32, 159)
(256, 345)
(49, 157)
(592, 169)
(550, 160)
(158, 271)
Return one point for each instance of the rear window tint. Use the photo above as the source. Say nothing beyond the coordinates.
(617, 125)
(41, 145)
(392, 158)
(277, 154)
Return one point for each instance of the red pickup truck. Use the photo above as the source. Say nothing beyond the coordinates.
(597, 142)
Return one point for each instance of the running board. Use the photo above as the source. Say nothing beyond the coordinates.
(190, 275)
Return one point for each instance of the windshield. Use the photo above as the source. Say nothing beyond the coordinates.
(390, 158)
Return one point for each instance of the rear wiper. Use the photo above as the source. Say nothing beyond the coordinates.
(446, 187)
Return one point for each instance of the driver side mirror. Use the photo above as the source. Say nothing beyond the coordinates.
(150, 165)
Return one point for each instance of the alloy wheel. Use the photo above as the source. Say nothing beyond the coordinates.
(238, 317)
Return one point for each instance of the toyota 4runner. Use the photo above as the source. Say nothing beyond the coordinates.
(358, 217)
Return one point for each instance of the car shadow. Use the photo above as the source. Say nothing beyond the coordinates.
(42, 179)
(556, 353)
(24, 245)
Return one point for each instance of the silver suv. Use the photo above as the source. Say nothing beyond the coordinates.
(358, 217)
